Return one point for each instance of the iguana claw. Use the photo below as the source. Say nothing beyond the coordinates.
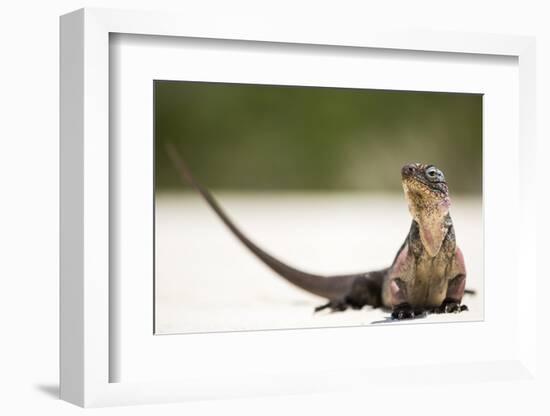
(450, 306)
(406, 311)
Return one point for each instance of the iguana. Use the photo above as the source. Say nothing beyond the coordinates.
(427, 274)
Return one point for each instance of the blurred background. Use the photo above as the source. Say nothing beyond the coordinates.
(313, 176)
(256, 137)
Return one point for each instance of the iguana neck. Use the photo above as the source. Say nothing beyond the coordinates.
(433, 222)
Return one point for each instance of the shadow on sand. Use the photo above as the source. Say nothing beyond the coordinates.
(390, 320)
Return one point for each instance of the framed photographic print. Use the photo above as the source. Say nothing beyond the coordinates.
(243, 214)
(319, 162)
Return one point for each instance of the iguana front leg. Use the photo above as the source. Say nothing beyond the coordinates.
(402, 309)
(452, 302)
(403, 270)
(455, 290)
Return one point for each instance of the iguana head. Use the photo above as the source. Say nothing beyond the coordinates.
(428, 198)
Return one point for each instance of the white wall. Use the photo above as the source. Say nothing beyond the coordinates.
(29, 172)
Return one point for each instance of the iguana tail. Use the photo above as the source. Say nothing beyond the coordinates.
(333, 287)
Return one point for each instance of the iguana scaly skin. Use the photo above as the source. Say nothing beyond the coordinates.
(427, 274)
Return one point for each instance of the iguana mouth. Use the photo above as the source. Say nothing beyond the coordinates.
(418, 189)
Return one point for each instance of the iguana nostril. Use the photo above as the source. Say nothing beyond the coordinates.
(407, 170)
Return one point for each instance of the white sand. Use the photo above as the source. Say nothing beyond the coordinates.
(207, 281)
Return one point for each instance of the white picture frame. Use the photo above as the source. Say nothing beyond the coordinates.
(87, 302)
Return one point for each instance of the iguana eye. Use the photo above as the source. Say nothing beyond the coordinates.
(434, 174)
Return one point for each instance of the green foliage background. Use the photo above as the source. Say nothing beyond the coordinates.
(260, 137)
